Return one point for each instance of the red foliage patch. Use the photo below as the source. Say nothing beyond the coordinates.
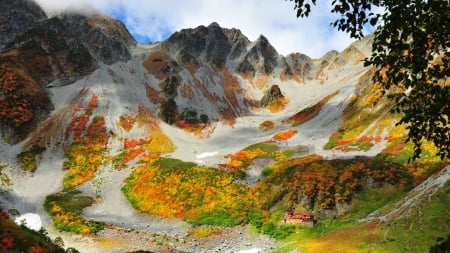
(36, 249)
(7, 241)
(127, 122)
(93, 103)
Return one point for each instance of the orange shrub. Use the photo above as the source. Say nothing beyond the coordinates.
(266, 125)
(132, 154)
(93, 103)
(285, 135)
(129, 144)
(127, 122)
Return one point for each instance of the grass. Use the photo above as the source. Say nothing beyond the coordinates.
(428, 220)
(28, 159)
(352, 239)
(369, 200)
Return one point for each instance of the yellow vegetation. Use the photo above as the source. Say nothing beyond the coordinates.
(278, 105)
(185, 191)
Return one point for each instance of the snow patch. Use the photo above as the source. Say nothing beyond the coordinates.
(30, 220)
(253, 250)
(207, 154)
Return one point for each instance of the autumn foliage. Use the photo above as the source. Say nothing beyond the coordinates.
(127, 122)
(176, 189)
(326, 183)
(86, 152)
(284, 135)
(266, 125)
(65, 208)
(15, 107)
(28, 159)
(242, 159)
(278, 104)
(132, 149)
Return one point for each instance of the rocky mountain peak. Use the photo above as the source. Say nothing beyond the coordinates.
(213, 43)
(214, 25)
(16, 17)
(262, 57)
(220, 46)
(262, 40)
(107, 39)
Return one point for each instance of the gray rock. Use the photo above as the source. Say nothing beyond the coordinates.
(16, 17)
(270, 95)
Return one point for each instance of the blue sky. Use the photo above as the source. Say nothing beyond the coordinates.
(155, 20)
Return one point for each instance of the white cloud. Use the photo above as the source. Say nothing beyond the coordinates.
(275, 19)
(54, 6)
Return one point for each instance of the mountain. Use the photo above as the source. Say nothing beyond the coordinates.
(172, 145)
(38, 51)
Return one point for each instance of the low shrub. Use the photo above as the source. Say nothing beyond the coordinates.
(66, 208)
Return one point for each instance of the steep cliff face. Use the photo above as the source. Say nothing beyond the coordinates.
(196, 76)
(261, 58)
(298, 67)
(16, 17)
(106, 39)
(213, 44)
(227, 47)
